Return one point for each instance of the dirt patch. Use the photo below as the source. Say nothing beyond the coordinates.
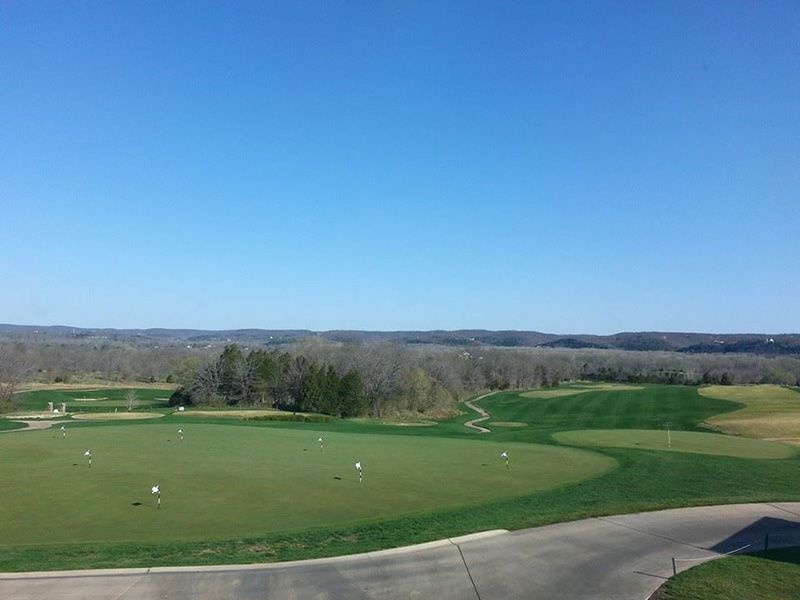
(508, 424)
(261, 549)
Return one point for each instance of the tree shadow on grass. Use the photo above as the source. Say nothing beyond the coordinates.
(769, 537)
(784, 555)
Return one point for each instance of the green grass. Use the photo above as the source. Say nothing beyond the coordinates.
(647, 407)
(681, 441)
(683, 479)
(261, 517)
(773, 575)
(231, 481)
(578, 388)
(10, 425)
(93, 400)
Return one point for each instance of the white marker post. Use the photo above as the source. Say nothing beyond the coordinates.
(504, 454)
(360, 471)
(157, 491)
(669, 436)
(63, 432)
(180, 431)
(321, 443)
(88, 454)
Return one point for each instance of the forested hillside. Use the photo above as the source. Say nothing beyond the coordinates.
(349, 378)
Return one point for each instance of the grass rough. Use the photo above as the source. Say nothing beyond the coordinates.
(768, 411)
(772, 575)
(681, 441)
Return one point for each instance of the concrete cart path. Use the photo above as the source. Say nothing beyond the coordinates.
(31, 425)
(623, 557)
(473, 424)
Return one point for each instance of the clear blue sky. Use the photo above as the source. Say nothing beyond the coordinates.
(566, 167)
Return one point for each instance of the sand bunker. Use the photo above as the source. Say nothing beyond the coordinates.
(117, 416)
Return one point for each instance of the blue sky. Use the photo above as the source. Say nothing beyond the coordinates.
(565, 167)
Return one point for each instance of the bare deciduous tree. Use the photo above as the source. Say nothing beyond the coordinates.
(131, 400)
(12, 372)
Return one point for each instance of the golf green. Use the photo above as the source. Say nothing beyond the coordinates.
(224, 481)
(681, 441)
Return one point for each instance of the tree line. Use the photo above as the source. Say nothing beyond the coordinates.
(262, 377)
(379, 378)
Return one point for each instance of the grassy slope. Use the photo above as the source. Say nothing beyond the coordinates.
(679, 441)
(645, 480)
(9, 425)
(769, 411)
(100, 399)
(646, 408)
(773, 575)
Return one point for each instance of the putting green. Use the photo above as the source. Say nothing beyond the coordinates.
(225, 481)
(682, 441)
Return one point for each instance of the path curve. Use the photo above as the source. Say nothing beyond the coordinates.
(31, 425)
(623, 557)
(473, 424)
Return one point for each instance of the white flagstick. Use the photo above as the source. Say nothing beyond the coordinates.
(156, 490)
(360, 471)
(88, 454)
(181, 432)
(669, 436)
(504, 454)
(63, 432)
(321, 443)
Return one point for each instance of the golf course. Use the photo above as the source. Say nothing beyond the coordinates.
(250, 489)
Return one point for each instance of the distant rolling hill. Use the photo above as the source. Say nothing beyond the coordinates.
(764, 344)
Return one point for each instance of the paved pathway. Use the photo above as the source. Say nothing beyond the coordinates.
(473, 424)
(31, 425)
(623, 557)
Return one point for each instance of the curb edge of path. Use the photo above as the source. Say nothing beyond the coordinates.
(455, 541)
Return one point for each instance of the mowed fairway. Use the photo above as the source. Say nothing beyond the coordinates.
(681, 441)
(226, 481)
(89, 400)
(605, 407)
